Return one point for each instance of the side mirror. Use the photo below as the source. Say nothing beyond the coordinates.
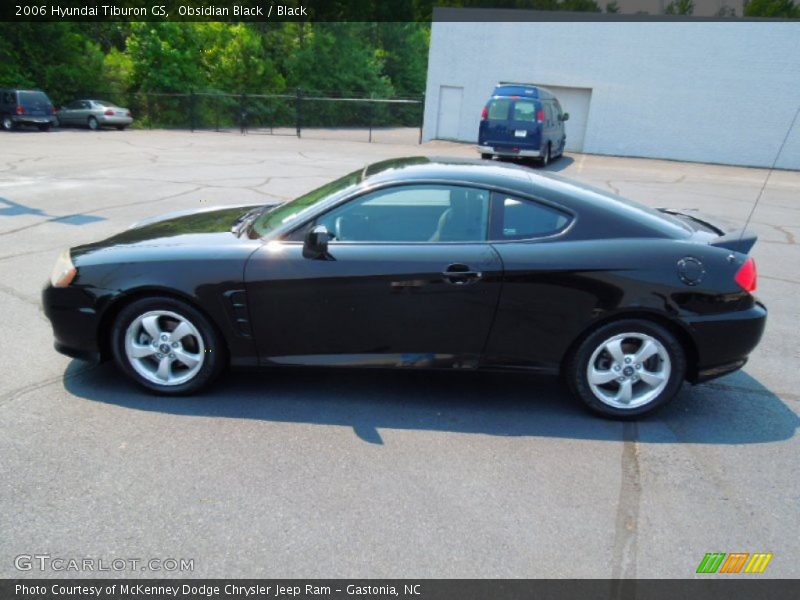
(315, 244)
(565, 117)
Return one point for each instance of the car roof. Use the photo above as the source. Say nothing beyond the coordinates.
(576, 196)
(523, 90)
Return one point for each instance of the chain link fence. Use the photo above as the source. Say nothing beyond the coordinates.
(300, 113)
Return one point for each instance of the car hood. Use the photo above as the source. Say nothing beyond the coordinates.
(207, 227)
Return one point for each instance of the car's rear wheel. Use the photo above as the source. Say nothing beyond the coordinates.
(93, 124)
(627, 368)
(8, 123)
(545, 159)
(486, 156)
(167, 346)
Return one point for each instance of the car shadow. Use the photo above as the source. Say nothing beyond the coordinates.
(498, 404)
(558, 164)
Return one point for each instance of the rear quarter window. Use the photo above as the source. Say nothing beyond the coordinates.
(520, 219)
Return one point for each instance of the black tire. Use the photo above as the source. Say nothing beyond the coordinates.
(561, 151)
(215, 356)
(485, 156)
(577, 377)
(8, 123)
(545, 159)
(44, 127)
(93, 124)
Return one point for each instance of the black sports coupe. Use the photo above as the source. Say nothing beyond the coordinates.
(421, 263)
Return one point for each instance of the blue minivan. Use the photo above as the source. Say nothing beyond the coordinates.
(522, 121)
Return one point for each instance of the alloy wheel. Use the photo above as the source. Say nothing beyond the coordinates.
(164, 347)
(628, 370)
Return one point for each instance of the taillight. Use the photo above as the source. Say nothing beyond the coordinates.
(484, 114)
(52, 110)
(746, 276)
(109, 113)
(128, 114)
(540, 115)
(20, 110)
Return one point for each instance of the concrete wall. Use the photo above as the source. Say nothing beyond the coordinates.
(720, 92)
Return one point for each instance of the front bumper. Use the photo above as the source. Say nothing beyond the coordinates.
(521, 152)
(75, 321)
(725, 341)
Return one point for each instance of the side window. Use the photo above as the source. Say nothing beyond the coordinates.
(413, 213)
(518, 219)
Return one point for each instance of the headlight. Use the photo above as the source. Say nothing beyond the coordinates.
(64, 271)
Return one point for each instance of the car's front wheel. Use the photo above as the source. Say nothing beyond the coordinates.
(167, 346)
(627, 368)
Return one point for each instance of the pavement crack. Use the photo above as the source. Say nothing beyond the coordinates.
(779, 279)
(623, 572)
(18, 295)
(789, 235)
(612, 187)
(32, 387)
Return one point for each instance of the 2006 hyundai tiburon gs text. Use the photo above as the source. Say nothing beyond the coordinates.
(421, 263)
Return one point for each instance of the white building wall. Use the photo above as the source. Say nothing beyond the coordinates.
(719, 92)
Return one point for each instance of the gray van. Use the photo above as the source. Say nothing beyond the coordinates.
(522, 121)
(26, 107)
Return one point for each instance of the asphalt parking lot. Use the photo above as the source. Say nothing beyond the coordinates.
(302, 473)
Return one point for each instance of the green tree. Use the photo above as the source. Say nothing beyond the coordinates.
(236, 60)
(166, 56)
(680, 7)
(403, 50)
(786, 9)
(55, 57)
(336, 57)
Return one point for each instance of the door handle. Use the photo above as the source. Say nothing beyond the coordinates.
(460, 274)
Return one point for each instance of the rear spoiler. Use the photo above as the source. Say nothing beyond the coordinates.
(736, 240)
(740, 240)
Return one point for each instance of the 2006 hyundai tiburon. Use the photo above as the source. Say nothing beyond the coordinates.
(421, 263)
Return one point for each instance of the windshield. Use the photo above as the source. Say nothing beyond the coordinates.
(278, 216)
